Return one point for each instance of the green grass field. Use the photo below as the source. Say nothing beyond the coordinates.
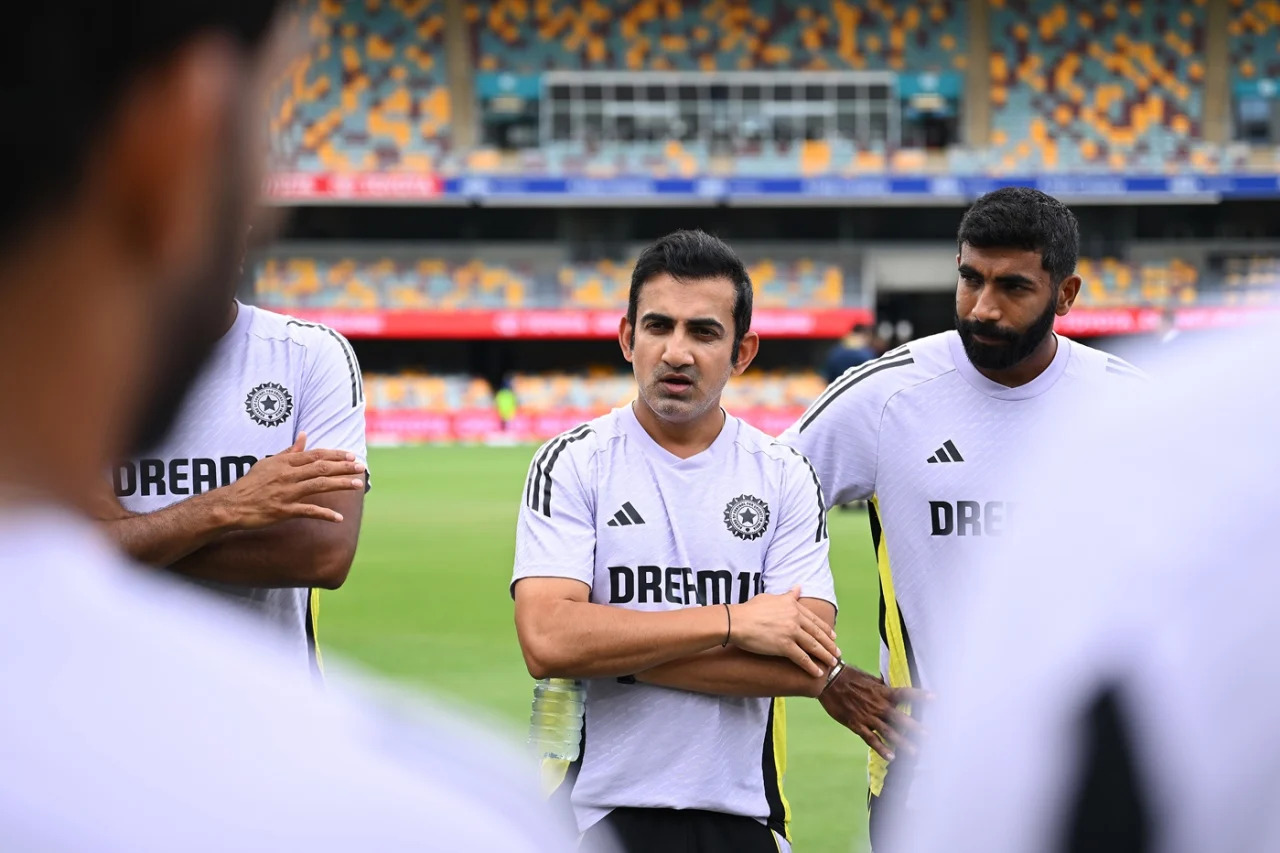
(427, 603)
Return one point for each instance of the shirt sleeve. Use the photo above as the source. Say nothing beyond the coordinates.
(331, 406)
(556, 530)
(798, 553)
(840, 434)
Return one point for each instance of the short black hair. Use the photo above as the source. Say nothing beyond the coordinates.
(1023, 218)
(694, 255)
(67, 65)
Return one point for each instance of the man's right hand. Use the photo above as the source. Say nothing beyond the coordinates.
(868, 707)
(276, 489)
(781, 626)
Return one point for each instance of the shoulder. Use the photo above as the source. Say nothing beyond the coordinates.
(783, 460)
(567, 458)
(868, 387)
(1095, 365)
(318, 339)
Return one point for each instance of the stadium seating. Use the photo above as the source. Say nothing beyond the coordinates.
(1251, 281)
(427, 283)
(437, 284)
(1110, 282)
(424, 393)
(1110, 86)
(777, 284)
(527, 37)
(596, 391)
(370, 94)
(1252, 32)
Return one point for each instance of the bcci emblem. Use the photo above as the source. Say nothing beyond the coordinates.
(747, 517)
(269, 404)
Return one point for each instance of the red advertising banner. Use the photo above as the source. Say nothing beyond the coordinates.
(1091, 322)
(305, 186)
(398, 426)
(566, 323)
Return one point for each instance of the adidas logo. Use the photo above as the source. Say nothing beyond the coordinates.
(626, 516)
(947, 453)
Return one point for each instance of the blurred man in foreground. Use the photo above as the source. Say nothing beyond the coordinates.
(925, 434)
(1150, 621)
(137, 716)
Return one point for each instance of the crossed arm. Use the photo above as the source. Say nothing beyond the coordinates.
(563, 635)
(292, 521)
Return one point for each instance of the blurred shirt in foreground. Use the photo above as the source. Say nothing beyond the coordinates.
(137, 715)
(1117, 684)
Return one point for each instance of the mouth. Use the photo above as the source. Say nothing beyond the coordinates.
(986, 341)
(676, 384)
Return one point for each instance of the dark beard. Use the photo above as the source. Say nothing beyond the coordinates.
(196, 317)
(1016, 346)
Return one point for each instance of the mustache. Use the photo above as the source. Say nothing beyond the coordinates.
(660, 375)
(988, 330)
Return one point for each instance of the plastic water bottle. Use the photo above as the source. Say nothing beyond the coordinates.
(555, 728)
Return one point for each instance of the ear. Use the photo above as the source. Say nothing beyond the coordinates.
(1067, 294)
(160, 169)
(747, 352)
(625, 335)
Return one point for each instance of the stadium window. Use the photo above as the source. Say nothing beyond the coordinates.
(846, 121)
(561, 125)
(1256, 120)
(878, 122)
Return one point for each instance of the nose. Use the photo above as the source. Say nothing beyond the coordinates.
(678, 352)
(987, 308)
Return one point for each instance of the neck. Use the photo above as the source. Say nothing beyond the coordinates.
(1027, 369)
(231, 318)
(681, 439)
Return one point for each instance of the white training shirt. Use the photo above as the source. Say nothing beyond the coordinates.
(269, 378)
(138, 715)
(928, 440)
(1117, 686)
(646, 530)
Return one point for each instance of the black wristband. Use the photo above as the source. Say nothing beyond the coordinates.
(728, 628)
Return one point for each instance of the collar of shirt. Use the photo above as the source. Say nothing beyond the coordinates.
(699, 461)
(1046, 380)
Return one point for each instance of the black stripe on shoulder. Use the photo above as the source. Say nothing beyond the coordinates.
(851, 379)
(538, 486)
(817, 484)
(357, 382)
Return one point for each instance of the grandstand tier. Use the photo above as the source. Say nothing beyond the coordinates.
(782, 88)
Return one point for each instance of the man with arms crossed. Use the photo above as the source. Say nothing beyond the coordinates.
(675, 558)
(265, 537)
(923, 432)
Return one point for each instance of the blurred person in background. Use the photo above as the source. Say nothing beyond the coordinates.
(854, 349)
(1135, 607)
(675, 559)
(924, 433)
(232, 499)
(138, 715)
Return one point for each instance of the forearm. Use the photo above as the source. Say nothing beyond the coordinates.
(297, 553)
(165, 536)
(733, 672)
(576, 639)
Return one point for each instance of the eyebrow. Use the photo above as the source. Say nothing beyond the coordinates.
(694, 321)
(1011, 278)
